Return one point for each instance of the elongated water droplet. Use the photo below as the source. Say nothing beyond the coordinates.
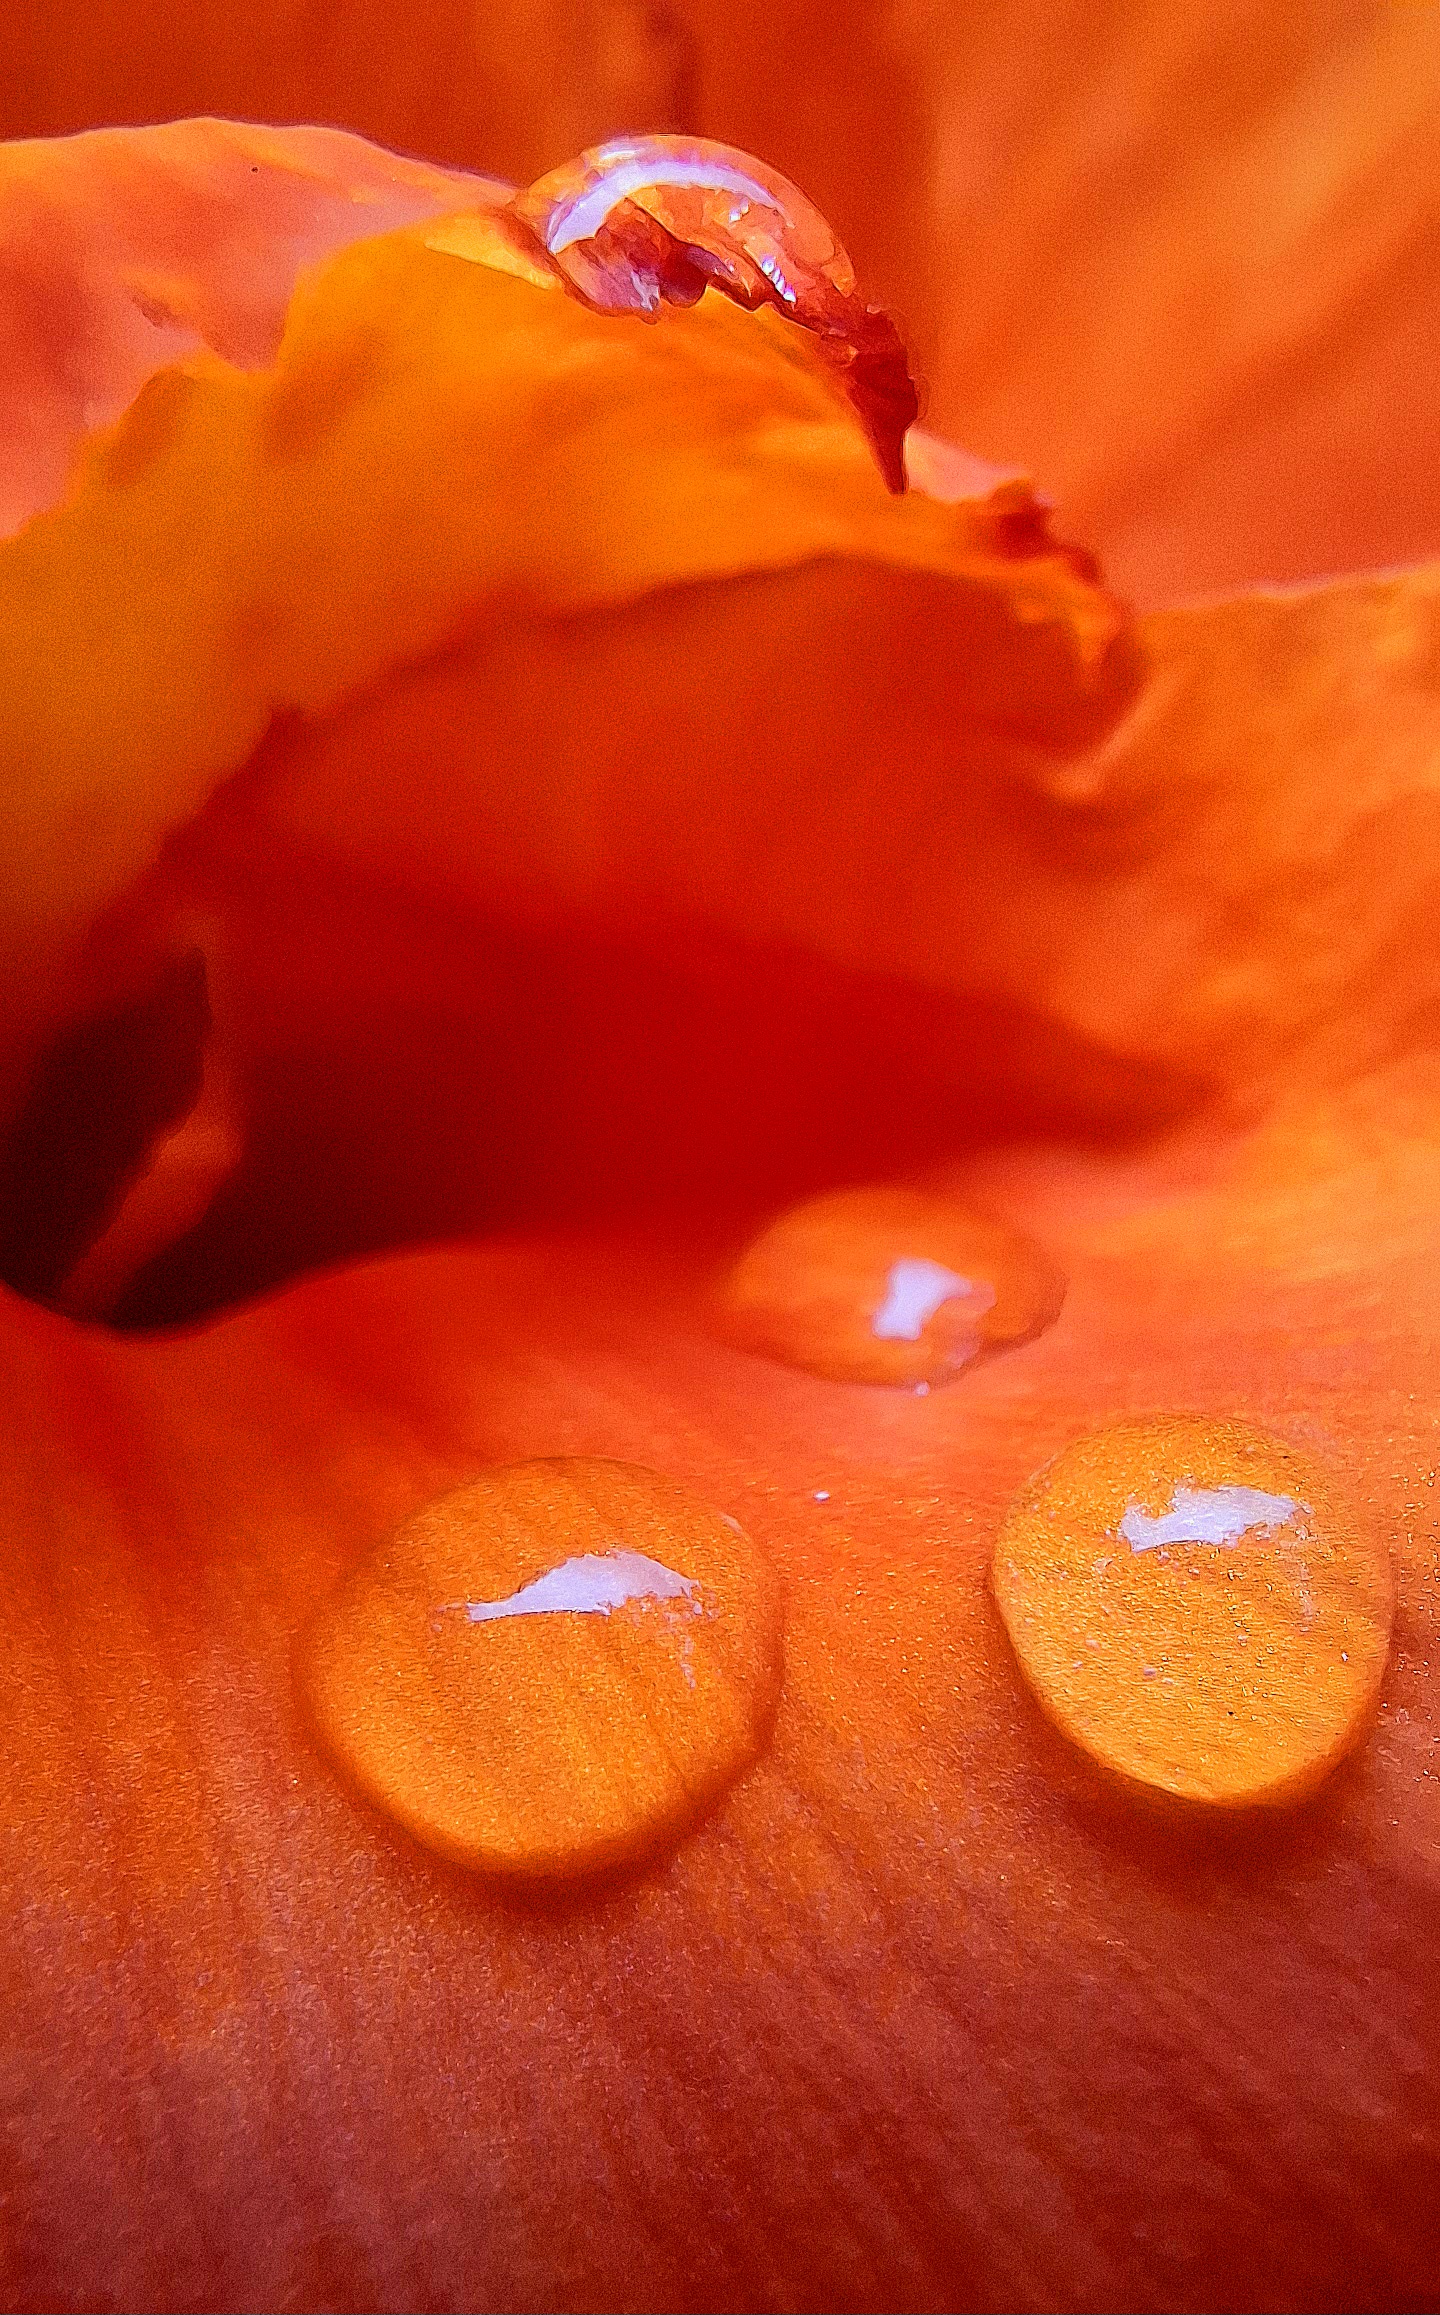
(1199, 1607)
(644, 222)
(888, 1285)
(551, 1670)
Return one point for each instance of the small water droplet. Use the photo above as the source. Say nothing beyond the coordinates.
(551, 1670)
(893, 1284)
(1269, 1611)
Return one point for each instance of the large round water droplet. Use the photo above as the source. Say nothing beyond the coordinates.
(888, 1285)
(551, 1670)
(1199, 1607)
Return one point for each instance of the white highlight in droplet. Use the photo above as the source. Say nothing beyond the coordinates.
(914, 1291)
(590, 1585)
(629, 170)
(1208, 1515)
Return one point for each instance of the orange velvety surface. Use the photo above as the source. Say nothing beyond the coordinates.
(498, 801)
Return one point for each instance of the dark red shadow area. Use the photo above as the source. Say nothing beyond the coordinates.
(406, 1071)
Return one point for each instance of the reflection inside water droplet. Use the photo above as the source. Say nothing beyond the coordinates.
(551, 1670)
(1209, 1515)
(914, 1290)
(591, 1585)
(1233, 1653)
(894, 1284)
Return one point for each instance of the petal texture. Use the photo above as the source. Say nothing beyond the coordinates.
(443, 442)
(920, 2016)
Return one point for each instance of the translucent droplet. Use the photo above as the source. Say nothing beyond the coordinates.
(644, 222)
(888, 1285)
(1199, 1607)
(550, 1671)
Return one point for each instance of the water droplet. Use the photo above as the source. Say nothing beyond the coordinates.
(644, 221)
(1263, 1548)
(894, 1284)
(551, 1670)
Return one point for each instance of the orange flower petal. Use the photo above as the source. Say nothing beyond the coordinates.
(699, 908)
(448, 446)
(124, 253)
(917, 1983)
(921, 2015)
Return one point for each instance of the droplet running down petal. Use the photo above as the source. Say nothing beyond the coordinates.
(644, 222)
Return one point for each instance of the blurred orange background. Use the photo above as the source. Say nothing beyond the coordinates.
(1181, 264)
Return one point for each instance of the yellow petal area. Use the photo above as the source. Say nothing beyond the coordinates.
(1199, 1607)
(126, 250)
(444, 442)
(481, 1680)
